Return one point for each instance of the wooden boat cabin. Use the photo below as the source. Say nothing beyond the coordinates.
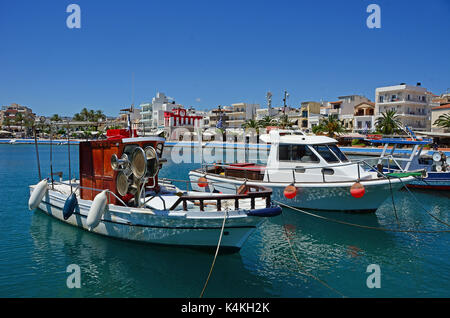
(122, 164)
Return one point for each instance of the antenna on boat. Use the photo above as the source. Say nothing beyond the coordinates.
(51, 156)
(68, 148)
(37, 153)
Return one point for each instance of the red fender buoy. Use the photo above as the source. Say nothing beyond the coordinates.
(202, 182)
(243, 189)
(357, 190)
(290, 192)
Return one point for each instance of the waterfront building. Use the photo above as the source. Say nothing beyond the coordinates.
(442, 99)
(364, 117)
(263, 112)
(217, 113)
(309, 111)
(180, 117)
(152, 114)
(412, 103)
(17, 118)
(435, 113)
(240, 113)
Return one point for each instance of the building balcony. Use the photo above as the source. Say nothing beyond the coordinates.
(402, 101)
(412, 114)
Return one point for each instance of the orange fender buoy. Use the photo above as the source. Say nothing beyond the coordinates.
(357, 190)
(290, 192)
(243, 189)
(202, 182)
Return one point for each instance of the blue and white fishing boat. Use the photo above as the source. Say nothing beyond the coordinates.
(119, 195)
(435, 163)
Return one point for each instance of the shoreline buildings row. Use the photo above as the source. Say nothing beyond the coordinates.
(414, 105)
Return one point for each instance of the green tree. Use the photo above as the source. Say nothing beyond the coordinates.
(330, 125)
(18, 120)
(55, 118)
(284, 122)
(267, 121)
(443, 121)
(7, 122)
(251, 123)
(388, 123)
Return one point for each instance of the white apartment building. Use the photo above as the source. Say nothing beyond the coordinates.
(412, 103)
(152, 114)
(240, 113)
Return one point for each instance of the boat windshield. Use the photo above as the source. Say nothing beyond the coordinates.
(338, 152)
(326, 153)
(300, 153)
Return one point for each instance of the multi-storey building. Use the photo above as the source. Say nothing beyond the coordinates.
(216, 114)
(412, 104)
(10, 115)
(240, 113)
(310, 112)
(443, 109)
(364, 117)
(152, 114)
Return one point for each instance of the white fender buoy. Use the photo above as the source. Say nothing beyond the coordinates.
(96, 211)
(38, 194)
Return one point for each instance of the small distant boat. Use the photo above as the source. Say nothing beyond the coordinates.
(436, 164)
(119, 195)
(308, 172)
(13, 141)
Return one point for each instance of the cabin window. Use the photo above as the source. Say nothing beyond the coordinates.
(338, 152)
(326, 153)
(299, 153)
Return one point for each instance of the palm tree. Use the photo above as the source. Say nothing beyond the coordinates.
(55, 118)
(77, 117)
(284, 122)
(443, 121)
(251, 123)
(388, 123)
(330, 125)
(84, 114)
(19, 120)
(7, 123)
(28, 123)
(267, 121)
(91, 115)
(99, 115)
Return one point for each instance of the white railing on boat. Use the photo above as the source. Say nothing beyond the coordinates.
(358, 164)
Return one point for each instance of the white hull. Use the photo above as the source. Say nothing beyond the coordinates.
(196, 229)
(331, 196)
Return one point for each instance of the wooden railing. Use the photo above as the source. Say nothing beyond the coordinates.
(246, 192)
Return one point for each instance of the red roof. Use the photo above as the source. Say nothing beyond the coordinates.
(338, 102)
(445, 106)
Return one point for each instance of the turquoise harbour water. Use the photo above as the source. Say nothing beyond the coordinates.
(36, 249)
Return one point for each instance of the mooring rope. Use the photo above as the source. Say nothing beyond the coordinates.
(433, 216)
(360, 225)
(300, 265)
(215, 256)
(393, 203)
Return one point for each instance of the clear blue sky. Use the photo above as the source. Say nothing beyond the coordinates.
(218, 52)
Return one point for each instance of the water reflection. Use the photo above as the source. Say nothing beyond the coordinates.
(112, 267)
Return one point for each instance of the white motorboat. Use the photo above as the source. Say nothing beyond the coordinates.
(119, 195)
(307, 172)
